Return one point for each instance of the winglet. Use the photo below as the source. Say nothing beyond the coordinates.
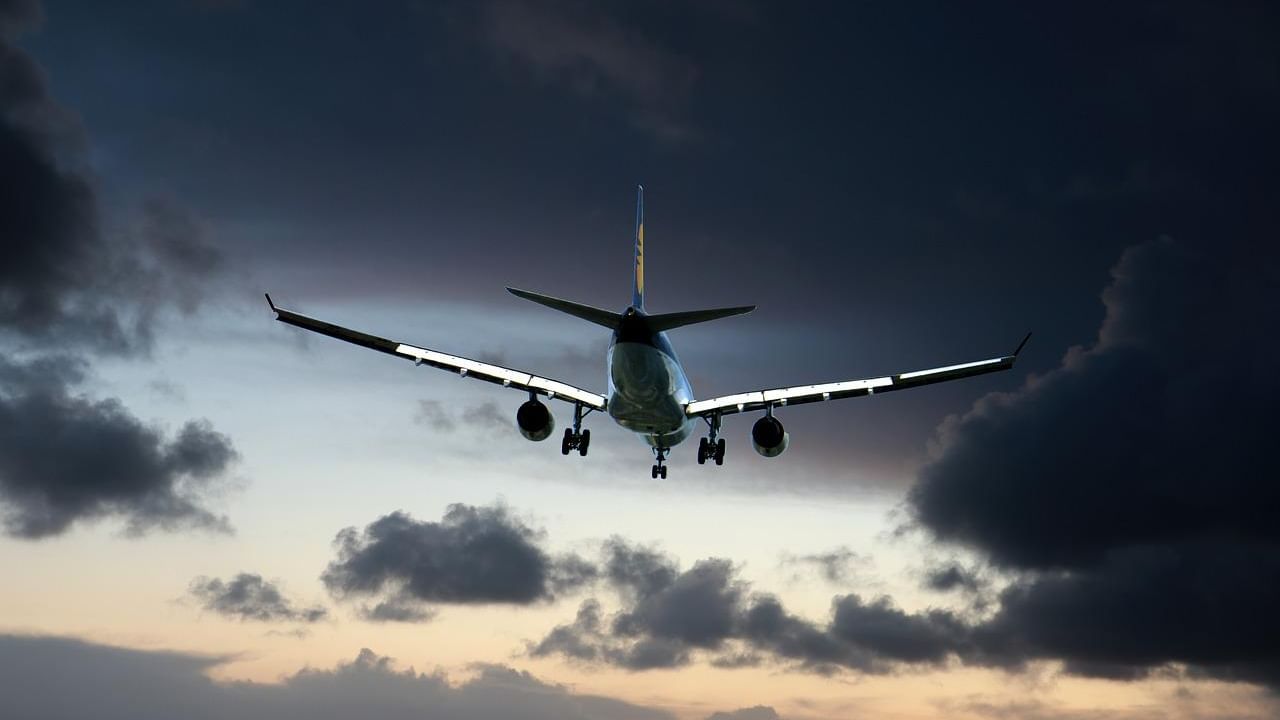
(273, 305)
(1021, 344)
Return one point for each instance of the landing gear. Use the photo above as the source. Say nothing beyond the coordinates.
(659, 470)
(712, 446)
(575, 438)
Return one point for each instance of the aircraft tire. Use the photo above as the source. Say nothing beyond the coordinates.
(584, 441)
(720, 451)
(565, 444)
(702, 451)
(653, 472)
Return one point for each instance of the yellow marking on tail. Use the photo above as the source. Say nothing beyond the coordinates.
(640, 258)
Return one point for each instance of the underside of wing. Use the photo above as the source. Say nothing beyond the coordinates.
(778, 397)
(465, 367)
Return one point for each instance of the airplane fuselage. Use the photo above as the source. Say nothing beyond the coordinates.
(648, 389)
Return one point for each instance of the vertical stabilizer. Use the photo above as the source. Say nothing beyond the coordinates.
(637, 288)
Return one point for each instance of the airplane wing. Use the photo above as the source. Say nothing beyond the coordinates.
(465, 367)
(761, 399)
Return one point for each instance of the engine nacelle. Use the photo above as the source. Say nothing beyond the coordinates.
(768, 436)
(535, 421)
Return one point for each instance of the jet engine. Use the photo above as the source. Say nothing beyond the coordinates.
(535, 421)
(769, 437)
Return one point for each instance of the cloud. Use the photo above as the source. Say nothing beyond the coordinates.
(66, 458)
(951, 576)
(1132, 487)
(759, 712)
(168, 684)
(63, 281)
(248, 597)
(668, 617)
(581, 47)
(18, 14)
(65, 284)
(485, 416)
(432, 414)
(473, 555)
(397, 610)
(835, 566)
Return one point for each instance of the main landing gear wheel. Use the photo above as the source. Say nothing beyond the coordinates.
(575, 438)
(712, 446)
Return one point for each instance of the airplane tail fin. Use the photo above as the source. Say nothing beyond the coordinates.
(637, 287)
(612, 320)
(586, 312)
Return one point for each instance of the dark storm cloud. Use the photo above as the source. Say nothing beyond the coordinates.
(1133, 485)
(579, 45)
(951, 576)
(62, 280)
(473, 555)
(18, 14)
(167, 684)
(247, 596)
(669, 616)
(698, 608)
(65, 458)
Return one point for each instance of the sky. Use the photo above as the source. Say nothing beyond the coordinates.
(232, 519)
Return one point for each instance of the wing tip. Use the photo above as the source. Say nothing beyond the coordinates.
(270, 303)
(1022, 345)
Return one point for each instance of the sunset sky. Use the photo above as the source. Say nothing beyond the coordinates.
(205, 513)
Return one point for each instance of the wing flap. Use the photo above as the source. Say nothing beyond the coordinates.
(465, 367)
(800, 394)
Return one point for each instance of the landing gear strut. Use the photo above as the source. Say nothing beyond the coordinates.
(712, 446)
(659, 470)
(575, 438)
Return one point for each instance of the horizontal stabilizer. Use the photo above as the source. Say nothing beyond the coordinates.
(668, 321)
(586, 312)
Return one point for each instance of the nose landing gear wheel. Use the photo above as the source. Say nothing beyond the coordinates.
(659, 470)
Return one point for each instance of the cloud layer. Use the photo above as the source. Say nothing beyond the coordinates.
(120, 684)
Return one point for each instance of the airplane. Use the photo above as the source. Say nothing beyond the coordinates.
(648, 390)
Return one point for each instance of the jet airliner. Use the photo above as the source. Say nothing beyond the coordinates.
(648, 391)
